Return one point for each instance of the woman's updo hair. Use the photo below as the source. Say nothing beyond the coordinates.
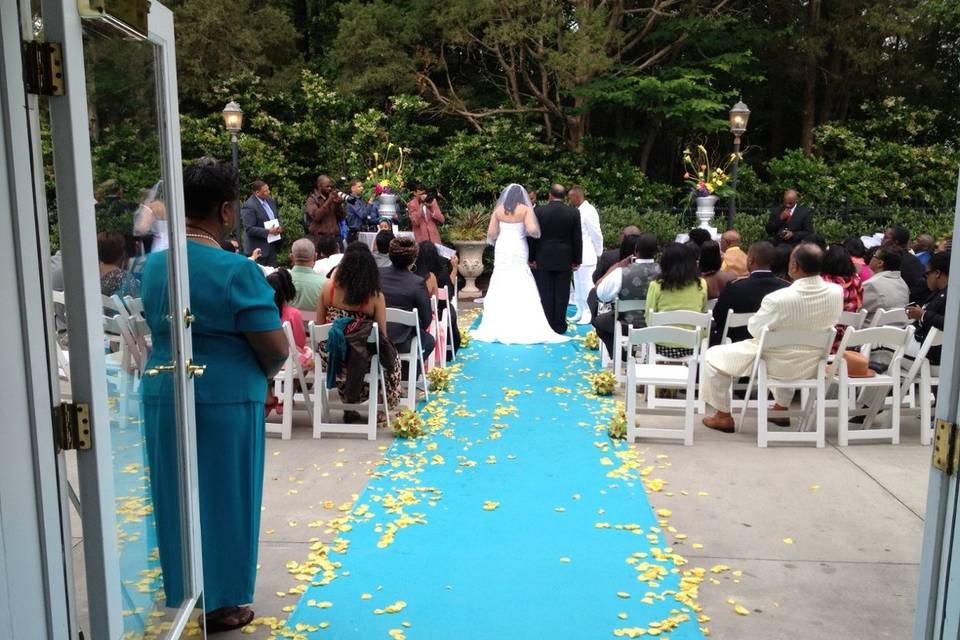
(207, 184)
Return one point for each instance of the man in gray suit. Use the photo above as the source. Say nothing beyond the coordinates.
(260, 208)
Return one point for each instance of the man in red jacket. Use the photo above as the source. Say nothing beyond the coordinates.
(424, 216)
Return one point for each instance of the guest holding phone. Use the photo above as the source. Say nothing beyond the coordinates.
(930, 314)
(790, 223)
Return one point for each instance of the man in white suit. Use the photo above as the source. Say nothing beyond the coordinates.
(592, 249)
(809, 304)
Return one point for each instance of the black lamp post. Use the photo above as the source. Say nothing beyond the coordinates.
(233, 121)
(739, 115)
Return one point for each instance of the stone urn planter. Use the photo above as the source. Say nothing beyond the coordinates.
(705, 213)
(471, 265)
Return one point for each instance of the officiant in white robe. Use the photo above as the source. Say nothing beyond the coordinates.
(809, 304)
(592, 249)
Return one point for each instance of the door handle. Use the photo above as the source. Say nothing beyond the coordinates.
(163, 368)
(195, 370)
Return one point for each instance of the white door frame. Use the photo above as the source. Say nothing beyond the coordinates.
(940, 528)
(33, 580)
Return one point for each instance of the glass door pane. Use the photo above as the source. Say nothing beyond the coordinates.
(134, 524)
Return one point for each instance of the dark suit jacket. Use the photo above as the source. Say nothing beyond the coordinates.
(405, 290)
(606, 260)
(800, 223)
(933, 316)
(915, 275)
(743, 295)
(560, 244)
(254, 216)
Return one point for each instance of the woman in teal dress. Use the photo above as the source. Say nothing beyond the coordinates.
(237, 335)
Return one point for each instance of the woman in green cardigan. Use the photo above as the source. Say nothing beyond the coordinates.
(679, 288)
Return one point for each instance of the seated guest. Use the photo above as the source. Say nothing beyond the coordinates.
(114, 278)
(627, 280)
(931, 313)
(858, 253)
(307, 283)
(436, 273)
(699, 236)
(354, 291)
(624, 256)
(781, 264)
(610, 257)
(911, 269)
(328, 255)
(923, 248)
(809, 304)
(734, 259)
(710, 263)
(679, 287)
(746, 294)
(838, 268)
(885, 289)
(284, 294)
(403, 289)
(382, 245)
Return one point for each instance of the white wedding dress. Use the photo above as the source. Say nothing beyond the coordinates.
(511, 309)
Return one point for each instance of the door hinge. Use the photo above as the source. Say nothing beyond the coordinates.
(71, 423)
(43, 68)
(946, 447)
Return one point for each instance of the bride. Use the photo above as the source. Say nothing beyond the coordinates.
(511, 309)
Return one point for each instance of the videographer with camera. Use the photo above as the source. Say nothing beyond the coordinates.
(790, 223)
(361, 216)
(324, 209)
(424, 214)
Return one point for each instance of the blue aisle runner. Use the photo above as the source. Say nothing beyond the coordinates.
(515, 517)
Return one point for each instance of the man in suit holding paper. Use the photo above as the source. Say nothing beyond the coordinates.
(261, 223)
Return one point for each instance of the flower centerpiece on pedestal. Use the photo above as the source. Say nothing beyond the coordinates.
(708, 179)
(386, 174)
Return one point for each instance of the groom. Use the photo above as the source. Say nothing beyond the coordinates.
(555, 255)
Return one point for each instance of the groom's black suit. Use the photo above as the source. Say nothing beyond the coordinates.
(558, 249)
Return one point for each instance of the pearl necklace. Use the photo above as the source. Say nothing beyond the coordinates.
(203, 236)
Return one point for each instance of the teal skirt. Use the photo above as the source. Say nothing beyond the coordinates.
(230, 451)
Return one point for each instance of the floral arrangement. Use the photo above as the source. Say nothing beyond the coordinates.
(468, 224)
(603, 383)
(591, 341)
(407, 424)
(617, 429)
(464, 338)
(439, 378)
(706, 176)
(386, 174)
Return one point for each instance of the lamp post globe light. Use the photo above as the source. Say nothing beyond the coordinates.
(739, 115)
(233, 121)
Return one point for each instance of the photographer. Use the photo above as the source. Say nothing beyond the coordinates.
(361, 216)
(324, 209)
(424, 214)
(790, 223)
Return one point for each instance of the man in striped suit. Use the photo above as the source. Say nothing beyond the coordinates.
(809, 304)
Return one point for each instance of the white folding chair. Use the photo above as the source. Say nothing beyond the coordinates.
(413, 357)
(285, 388)
(651, 375)
(433, 330)
(327, 400)
(734, 321)
(894, 338)
(853, 319)
(919, 379)
(134, 306)
(820, 341)
(711, 304)
(701, 322)
(446, 324)
(893, 317)
(620, 336)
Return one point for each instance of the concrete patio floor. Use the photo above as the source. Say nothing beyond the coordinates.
(854, 515)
